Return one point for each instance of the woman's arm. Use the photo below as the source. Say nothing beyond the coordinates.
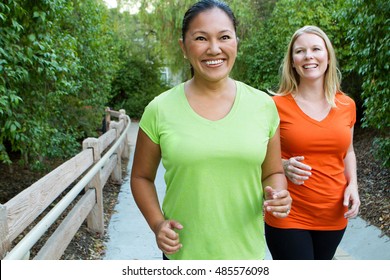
(278, 200)
(351, 194)
(147, 157)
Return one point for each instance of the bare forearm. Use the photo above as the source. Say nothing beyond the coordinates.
(145, 196)
(350, 168)
(351, 194)
(277, 181)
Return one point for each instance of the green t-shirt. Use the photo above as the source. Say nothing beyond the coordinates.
(213, 172)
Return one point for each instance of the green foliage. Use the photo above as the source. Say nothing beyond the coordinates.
(54, 62)
(62, 61)
(262, 53)
(370, 41)
(369, 38)
(381, 148)
(164, 21)
(138, 77)
(94, 39)
(136, 84)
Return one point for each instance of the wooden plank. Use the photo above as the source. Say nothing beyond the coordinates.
(118, 126)
(92, 143)
(25, 207)
(108, 168)
(107, 139)
(5, 244)
(114, 114)
(126, 150)
(95, 219)
(56, 245)
(121, 125)
(116, 175)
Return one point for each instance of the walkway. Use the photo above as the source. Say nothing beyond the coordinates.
(131, 239)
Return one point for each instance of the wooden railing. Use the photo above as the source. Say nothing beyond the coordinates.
(89, 170)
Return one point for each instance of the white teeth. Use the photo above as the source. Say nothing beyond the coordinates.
(213, 62)
(309, 66)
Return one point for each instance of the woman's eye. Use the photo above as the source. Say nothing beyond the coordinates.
(200, 38)
(225, 37)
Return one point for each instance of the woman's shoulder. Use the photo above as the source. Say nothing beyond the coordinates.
(343, 97)
(251, 91)
(168, 95)
(344, 100)
(282, 99)
(277, 96)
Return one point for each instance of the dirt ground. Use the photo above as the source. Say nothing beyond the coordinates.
(373, 180)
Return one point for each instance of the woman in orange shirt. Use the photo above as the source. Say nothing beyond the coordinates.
(316, 129)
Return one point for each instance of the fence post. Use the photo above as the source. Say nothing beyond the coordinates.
(116, 175)
(107, 120)
(126, 148)
(5, 245)
(95, 220)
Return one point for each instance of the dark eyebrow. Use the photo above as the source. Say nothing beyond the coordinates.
(220, 32)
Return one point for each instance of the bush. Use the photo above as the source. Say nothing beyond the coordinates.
(135, 85)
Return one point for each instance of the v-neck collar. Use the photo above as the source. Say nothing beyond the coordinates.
(205, 120)
(324, 122)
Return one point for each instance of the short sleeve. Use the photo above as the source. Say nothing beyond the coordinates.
(149, 121)
(275, 120)
(353, 113)
(349, 107)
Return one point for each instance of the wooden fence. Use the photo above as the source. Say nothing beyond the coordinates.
(89, 170)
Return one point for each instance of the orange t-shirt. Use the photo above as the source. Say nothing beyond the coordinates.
(318, 203)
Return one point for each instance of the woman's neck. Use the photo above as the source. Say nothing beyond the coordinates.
(212, 101)
(211, 89)
(311, 92)
(312, 101)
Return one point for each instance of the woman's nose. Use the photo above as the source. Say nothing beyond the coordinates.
(309, 55)
(214, 48)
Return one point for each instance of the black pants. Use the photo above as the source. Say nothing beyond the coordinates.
(299, 244)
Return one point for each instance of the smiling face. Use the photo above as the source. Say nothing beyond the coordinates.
(310, 57)
(210, 44)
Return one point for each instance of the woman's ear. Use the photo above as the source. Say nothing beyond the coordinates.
(181, 43)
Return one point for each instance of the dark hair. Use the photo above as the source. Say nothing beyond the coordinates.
(202, 6)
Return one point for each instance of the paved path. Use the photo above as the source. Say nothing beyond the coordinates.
(131, 239)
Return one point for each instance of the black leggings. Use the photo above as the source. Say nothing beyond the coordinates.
(300, 244)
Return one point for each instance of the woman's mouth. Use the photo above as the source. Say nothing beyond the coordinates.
(214, 62)
(310, 66)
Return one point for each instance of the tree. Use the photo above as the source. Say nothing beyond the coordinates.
(34, 73)
(138, 77)
(42, 57)
(369, 39)
(263, 52)
(164, 18)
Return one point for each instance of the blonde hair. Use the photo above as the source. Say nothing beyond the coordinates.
(290, 79)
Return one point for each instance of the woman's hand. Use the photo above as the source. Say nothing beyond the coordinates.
(352, 201)
(277, 202)
(296, 171)
(167, 239)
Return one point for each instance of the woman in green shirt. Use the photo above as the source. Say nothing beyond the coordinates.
(218, 140)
